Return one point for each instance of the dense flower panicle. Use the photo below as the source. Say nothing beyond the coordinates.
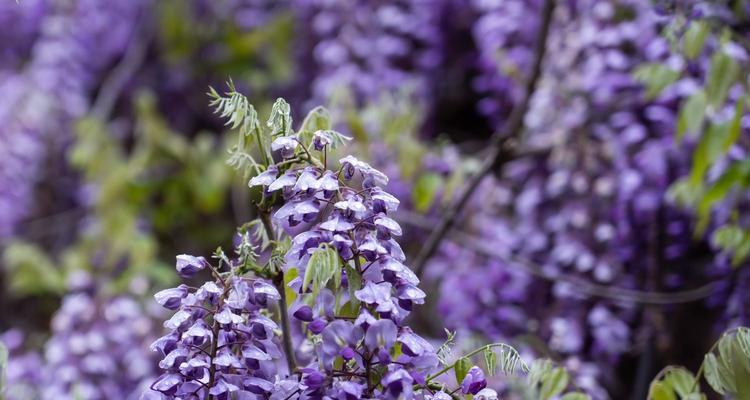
(503, 33)
(592, 211)
(353, 291)
(370, 48)
(220, 341)
(24, 374)
(97, 349)
(73, 46)
(355, 223)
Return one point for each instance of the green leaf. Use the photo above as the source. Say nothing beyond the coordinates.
(743, 339)
(724, 362)
(322, 266)
(425, 190)
(660, 391)
(30, 270)
(741, 368)
(538, 370)
(723, 72)
(680, 380)
(691, 114)
(694, 39)
(354, 282)
(280, 120)
(711, 372)
(490, 359)
(554, 383)
(290, 275)
(656, 77)
(712, 145)
(461, 367)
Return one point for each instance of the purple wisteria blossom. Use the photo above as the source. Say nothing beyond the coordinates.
(220, 342)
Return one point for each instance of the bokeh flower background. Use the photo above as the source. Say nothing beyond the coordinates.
(609, 236)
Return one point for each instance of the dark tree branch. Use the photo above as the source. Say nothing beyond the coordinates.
(115, 82)
(503, 144)
(582, 286)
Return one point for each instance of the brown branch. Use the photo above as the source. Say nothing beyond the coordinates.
(582, 286)
(503, 144)
(283, 307)
(133, 58)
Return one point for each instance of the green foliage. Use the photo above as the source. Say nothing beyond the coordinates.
(461, 367)
(30, 270)
(702, 119)
(656, 77)
(324, 265)
(674, 383)
(444, 351)
(726, 368)
(722, 74)
(692, 114)
(694, 39)
(425, 190)
(160, 177)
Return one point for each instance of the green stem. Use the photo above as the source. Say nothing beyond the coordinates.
(262, 149)
(524, 367)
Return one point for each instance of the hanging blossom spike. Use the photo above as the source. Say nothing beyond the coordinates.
(353, 293)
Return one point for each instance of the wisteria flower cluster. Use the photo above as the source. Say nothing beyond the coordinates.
(344, 267)
(219, 341)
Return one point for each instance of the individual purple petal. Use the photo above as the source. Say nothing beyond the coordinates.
(265, 178)
(337, 224)
(321, 139)
(188, 266)
(174, 359)
(328, 184)
(167, 383)
(198, 334)
(352, 205)
(381, 335)
(394, 271)
(474, 381)
(209, 291)
(383, 201)
(225, 358)
(226, 317)
(413, 344)
(171, 298)
(307, 181)
(317, 325)
(398, 383)
(303, 313)
(288, 180)
(374, 293)
(387, 227)
(180, 320)
(286, 145)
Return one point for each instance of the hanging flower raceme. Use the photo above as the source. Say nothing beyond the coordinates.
(351, 291)
(220, 340)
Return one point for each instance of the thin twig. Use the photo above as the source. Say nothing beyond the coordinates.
(503, 144)
(582, 286)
